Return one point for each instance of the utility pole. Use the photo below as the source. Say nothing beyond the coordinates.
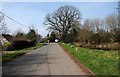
(118, 14)
(118, 10)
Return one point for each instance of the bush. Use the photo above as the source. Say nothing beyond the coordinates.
(5, 45)
(20, 44)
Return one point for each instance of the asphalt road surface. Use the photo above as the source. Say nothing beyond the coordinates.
(47, 60)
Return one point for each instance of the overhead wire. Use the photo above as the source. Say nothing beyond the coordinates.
(12, 19)
(15, 20)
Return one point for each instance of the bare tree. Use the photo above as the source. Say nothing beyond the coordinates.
(85, 31)
(96, 24)
(87, 24)
(63, 20)
(112, 21)
(91, 31)
(2, 24)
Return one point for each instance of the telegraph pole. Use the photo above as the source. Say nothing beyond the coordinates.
(118, 9)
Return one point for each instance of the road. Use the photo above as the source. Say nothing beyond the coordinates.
(47, 60)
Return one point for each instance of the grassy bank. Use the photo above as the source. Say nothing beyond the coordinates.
(9, 55)
(101, 62)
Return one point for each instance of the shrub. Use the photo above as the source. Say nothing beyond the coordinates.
(5, 45)
(20, 44)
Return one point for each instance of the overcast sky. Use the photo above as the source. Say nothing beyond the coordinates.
(29, 13)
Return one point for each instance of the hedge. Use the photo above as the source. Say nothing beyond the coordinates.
(21, 44)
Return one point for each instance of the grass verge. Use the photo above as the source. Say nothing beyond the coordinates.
(100, 62)
(9, 55)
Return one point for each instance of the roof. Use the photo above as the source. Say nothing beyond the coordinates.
(8, 37)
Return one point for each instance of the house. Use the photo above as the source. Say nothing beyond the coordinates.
(6, 38)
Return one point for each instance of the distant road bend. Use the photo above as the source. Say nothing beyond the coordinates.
(47, 60)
